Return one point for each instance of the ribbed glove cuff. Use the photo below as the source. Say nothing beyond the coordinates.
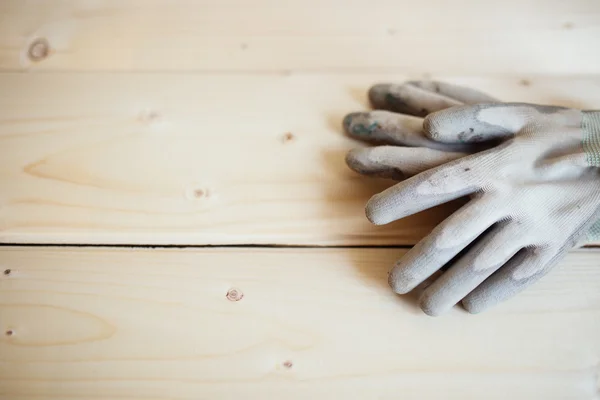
(590, 125)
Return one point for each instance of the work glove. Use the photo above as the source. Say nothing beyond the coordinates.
(534, 196)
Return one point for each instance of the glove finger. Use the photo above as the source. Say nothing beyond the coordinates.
(384, 127)
(490, 253)
(462, 94)
(409, 99)
(482, 122)
(447, 240)
(423, 97)
(396, 162)
(428, 189)
(524, 269)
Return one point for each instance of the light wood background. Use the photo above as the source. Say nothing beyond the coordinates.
(217, 122)
(108, 323)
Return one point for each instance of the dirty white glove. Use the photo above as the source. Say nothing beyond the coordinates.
(534, 197)
(400, 162)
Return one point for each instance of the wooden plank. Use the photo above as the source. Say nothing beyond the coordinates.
(312, 323)
(436, 36)
(202, 159)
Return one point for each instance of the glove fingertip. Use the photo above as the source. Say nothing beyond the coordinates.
(397, 284)
(430, 127)
(429, 304)
(429, 310)
(351, 156)
(348, 119)
(355, 160)
(374, 211)
(473, 305)
(378, 95)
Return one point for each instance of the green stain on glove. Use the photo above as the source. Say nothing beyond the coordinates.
(360, 124)
(365, 130)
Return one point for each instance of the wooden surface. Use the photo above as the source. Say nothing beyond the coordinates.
(218, 122)
(203, 159)
(123, 324)
(464, 36)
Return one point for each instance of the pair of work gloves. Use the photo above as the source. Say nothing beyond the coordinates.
(531, 174)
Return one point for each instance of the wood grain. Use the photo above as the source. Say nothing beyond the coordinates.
(203, 159)
(437, 36)
(218, 122)
(156, 324)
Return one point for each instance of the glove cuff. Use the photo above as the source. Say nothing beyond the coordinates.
(594, 232)
(590, 125)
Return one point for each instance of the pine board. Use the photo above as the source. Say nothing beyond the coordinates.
(436, 36)
(203, 159)
(312, 323)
